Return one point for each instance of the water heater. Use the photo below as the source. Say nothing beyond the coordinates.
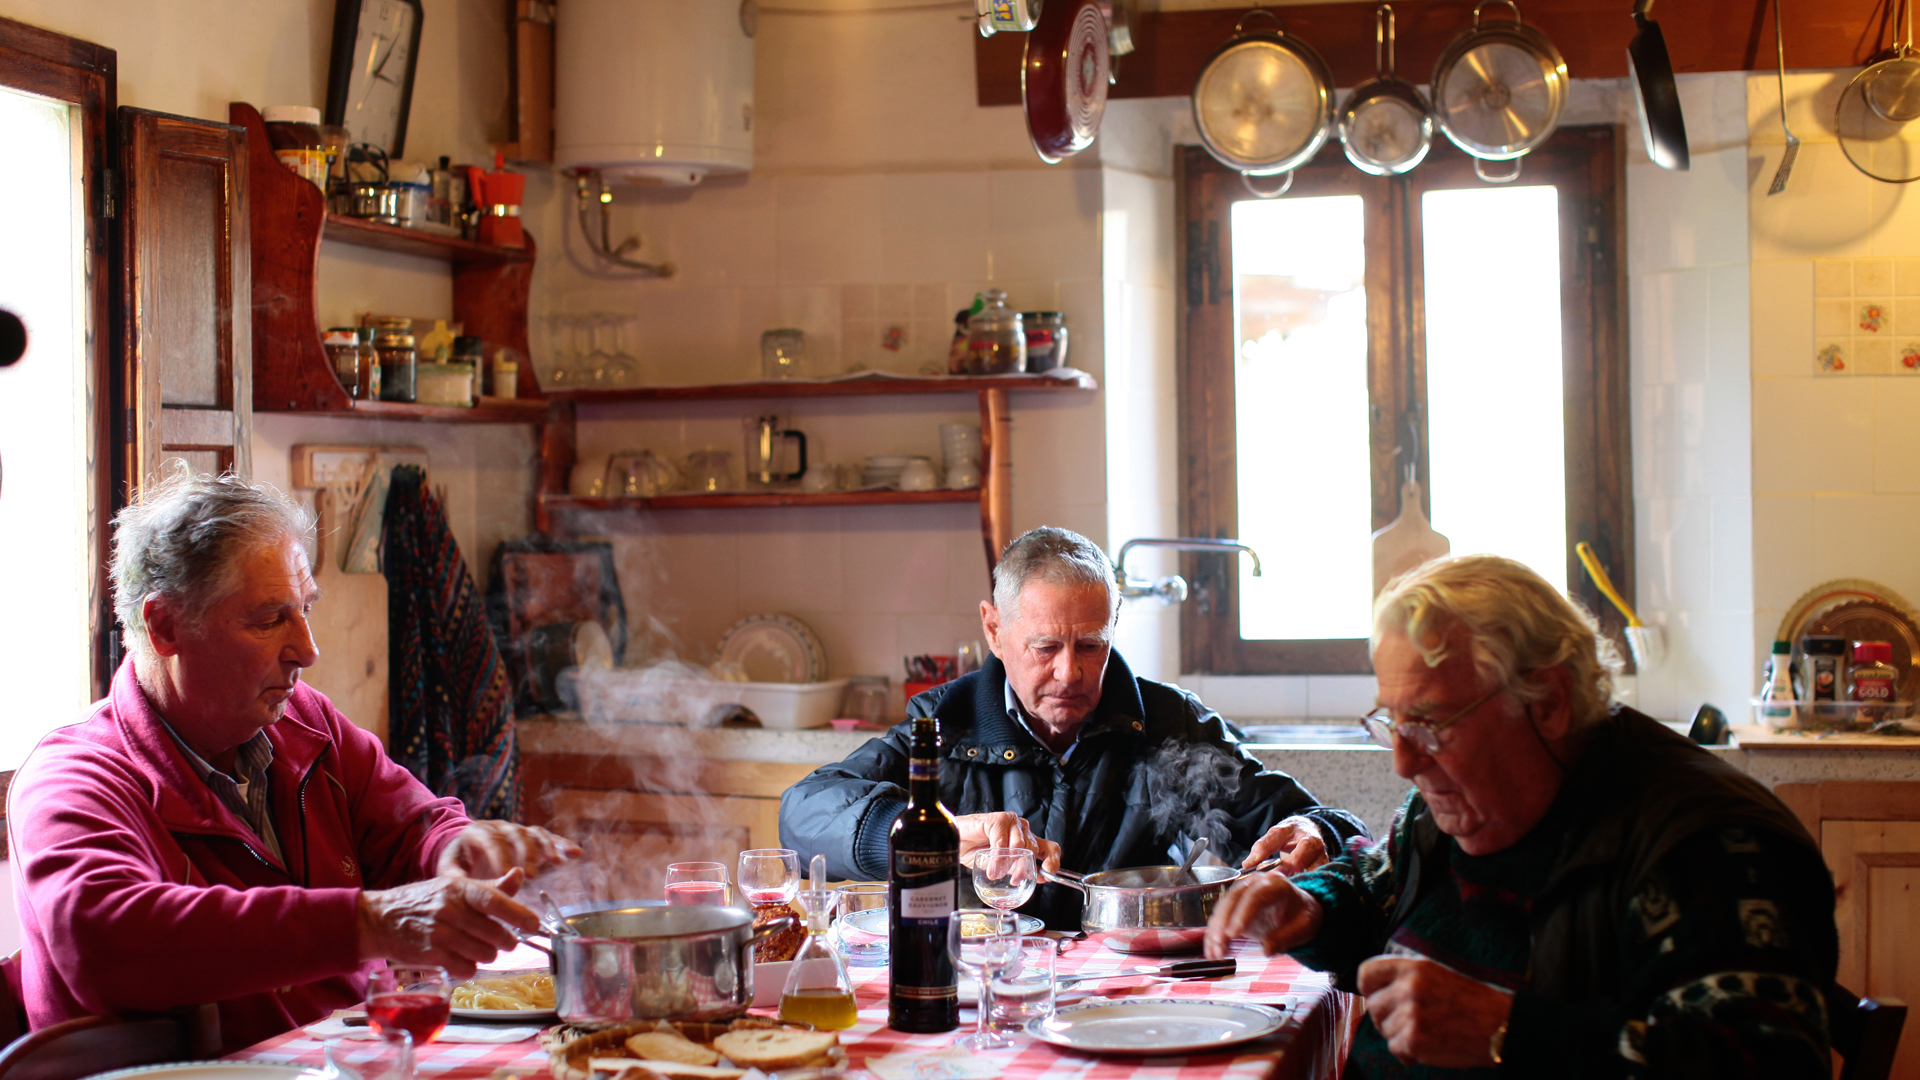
(654, 89)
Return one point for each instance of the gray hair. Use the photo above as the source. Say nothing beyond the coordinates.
(1054, 555)
(183, 540)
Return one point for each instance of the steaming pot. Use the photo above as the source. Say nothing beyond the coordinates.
(656, 963)
(1134, 910)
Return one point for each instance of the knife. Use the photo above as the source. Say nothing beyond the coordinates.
(1185, 969)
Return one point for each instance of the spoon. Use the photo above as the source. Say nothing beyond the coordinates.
(1194, 851)
(1793, 144)
(557, 920)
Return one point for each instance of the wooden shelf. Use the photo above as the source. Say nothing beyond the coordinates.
(947, 384)
(489, 411)
(740, 500)
(453, 249)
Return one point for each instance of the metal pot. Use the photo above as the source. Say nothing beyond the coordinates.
(1499, 90)
(1386, 126)
(656, 963)
(1263, 104)
(1135, 910)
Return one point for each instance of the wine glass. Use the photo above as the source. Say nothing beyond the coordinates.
(700, 884)
(412, 998)
(1004, 877)
(982, 942)
(769, 875)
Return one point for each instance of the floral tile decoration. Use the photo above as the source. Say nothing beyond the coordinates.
(1907, 361)
(1873, 316)
(1830, 357)
(1866, 316)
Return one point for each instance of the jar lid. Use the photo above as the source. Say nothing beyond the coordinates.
(1040, 315)
(390, 322)
(291, 114)
(1873, 652)
(1823, 645)
(394, 339)
(340, 336)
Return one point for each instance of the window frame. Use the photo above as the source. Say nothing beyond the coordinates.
(85, 75)
(1587, 164)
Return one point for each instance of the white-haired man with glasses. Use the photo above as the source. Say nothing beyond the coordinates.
(1572, 889)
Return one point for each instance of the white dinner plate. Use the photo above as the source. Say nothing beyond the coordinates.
(775, 649)
(507, 1016)
(216, 1070)
(1155, 1027)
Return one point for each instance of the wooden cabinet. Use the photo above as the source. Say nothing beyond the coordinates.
(1869, 832)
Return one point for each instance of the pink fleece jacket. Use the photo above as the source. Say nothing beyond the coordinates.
(138, 890)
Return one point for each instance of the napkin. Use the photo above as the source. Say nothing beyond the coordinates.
(335, 1027)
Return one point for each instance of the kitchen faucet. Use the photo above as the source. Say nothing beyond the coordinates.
(1171, 590)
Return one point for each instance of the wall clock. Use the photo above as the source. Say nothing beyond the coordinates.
(376, 47)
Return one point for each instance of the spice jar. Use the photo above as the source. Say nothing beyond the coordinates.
(996, 340)
(294, 131)
(1873, 676)
(467, 350)
(506, 375)
(399, 365)
(369, 366)
(343, 352)
(1046, 340)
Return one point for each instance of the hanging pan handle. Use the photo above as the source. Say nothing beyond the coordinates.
(1286, 181)
(1383, 41)
(1480, 170)
(1511, 6)
(1239, 27)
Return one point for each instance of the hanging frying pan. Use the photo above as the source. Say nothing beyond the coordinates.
(1063, 78)
(1498, 91)
(1654, 91)
(1386, 127)
(1264, 104)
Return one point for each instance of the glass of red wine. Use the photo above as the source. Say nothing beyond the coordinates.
(769, 875)
(409, 998)
(701, 884)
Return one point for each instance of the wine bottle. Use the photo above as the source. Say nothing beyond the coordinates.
(923, 853)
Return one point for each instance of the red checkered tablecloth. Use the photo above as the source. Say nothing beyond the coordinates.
(1310, 1046)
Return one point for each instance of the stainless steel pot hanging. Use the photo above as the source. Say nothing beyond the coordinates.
(1499, 90)
(1386, 127)
(1264, 103)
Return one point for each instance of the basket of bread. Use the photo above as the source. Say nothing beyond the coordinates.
(689, 1050)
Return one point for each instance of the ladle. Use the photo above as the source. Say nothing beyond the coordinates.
(1194, 851)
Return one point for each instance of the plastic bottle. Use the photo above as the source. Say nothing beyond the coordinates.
(1777, 690)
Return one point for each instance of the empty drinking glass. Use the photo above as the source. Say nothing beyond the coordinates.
(861, 949)
(1023, 989)
(1004, 877)
(982, 943)
(769, 875)
(702, 884)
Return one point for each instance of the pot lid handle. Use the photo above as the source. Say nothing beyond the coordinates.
(1286, 181)
(1383, 41)
(1511, 6)
(1239, 27)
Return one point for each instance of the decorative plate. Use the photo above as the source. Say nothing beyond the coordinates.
(1153, 1028)
(216, 1070)
(775, 649)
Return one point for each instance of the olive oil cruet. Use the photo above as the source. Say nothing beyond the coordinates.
(818, 991)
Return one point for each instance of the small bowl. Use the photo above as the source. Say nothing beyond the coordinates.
(769, 982)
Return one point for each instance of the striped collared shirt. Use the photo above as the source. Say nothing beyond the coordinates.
(245, 795)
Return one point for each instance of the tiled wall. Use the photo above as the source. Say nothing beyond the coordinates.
(1836, 450)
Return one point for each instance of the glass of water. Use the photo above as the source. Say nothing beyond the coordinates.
(857, 947)
(1023, 989)
(1005, 877)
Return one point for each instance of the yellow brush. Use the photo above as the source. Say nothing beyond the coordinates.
(1592, 562)
(1646, 643)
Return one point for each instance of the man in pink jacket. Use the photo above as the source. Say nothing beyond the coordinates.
(216, 832)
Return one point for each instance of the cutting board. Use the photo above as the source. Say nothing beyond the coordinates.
(1406, 542)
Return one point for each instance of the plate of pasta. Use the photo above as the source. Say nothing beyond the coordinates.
(505, 995)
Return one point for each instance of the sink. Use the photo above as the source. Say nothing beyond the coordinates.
(1295, 734)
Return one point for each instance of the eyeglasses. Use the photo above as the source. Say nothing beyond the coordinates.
(1423, 734)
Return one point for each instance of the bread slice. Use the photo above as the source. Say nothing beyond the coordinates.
(663, 1070)
(671, 1046)
(772, 1049)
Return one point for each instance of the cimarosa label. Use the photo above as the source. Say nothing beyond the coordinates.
(928, 903)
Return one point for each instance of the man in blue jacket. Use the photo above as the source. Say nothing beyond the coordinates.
(1056, 746)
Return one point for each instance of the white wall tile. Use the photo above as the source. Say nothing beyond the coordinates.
(1812, 435)
(1344, 697)
(1782, 549)
(1730, 323)
(722, 233)
(1863, 536)
(791, 560)
(1782, 317)
(1826, 210)
(1694, 553)
(1687, 219)
(893, 567)
(1896, 435)
(1732, 565)
(1045, 225)
(1257, 696)
(829, 232)
(933, 226)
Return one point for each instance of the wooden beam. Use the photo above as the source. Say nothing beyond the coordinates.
(1702, 35)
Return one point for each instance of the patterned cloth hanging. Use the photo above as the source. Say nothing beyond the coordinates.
(450, 703)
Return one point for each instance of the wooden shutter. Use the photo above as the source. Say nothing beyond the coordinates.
(186, 292)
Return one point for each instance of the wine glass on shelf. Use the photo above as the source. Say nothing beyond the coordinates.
(769, 875)
(1005, 877)
(982, 942)
(698, 884)
(408, 1004)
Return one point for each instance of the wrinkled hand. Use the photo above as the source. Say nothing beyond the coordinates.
(981, 831)
(1432, 1015)
(488, 849)
(1297, 840)
(455, 922)
(1266, 908)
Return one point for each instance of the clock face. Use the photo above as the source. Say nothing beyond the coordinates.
(382, 66)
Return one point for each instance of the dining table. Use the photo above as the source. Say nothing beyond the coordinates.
(1311, 1043)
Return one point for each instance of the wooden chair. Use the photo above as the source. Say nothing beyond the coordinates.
(1866, 1032)
(94, 1044)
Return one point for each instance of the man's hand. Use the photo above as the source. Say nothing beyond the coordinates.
(1297, 840)
(455, 922)
(979, 832)
(1267, 908)
(489, 849)
(1431, 1014)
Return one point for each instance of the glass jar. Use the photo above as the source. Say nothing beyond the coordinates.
(467, 349)
(1046, 340)
(294, 131)
(996, 340)
(399, 364)
(369, 366)
(343, 352)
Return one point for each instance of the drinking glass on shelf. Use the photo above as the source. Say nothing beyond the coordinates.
(982, 942)
(1023, 989)
(1004, 877)
(411, 998)
(699, 884)
(769, 875)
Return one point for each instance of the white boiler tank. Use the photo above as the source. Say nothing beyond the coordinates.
(654, 89)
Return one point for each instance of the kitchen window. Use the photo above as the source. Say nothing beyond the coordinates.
(1359, 329)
